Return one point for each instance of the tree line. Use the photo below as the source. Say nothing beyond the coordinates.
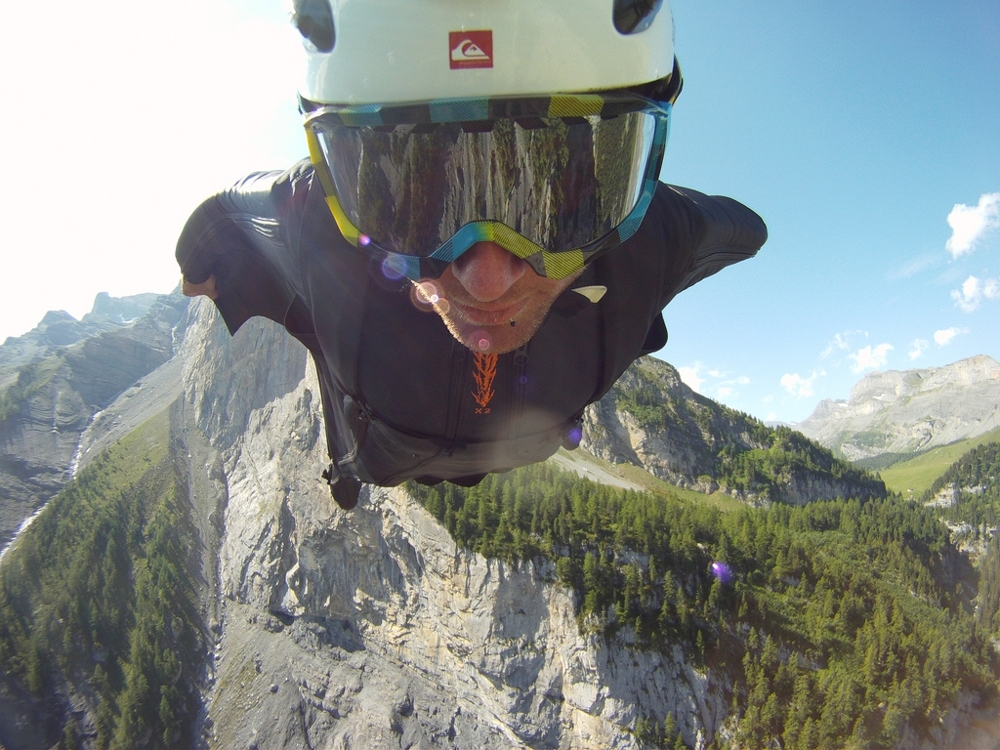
(975, 479)
(97, 596)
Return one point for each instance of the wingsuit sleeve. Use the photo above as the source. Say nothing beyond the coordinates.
(241, 237)
(701, 235)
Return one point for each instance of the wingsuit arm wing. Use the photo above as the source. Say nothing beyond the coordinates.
(704, 234)
(687, 236)
(238, 236)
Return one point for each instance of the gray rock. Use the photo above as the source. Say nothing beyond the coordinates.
(395, 637)
(52, 392)
(905, 412)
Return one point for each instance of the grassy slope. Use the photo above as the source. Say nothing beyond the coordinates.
(918, 474)
(639, 477)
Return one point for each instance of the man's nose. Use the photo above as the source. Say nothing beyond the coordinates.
(487, 271)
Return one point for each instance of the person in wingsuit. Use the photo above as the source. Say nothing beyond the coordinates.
(478, 246)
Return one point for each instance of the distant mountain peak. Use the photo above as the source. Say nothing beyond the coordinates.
(123, 308)
(58, 328)
(906, 411)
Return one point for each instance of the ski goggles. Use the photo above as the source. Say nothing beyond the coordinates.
(557, 181)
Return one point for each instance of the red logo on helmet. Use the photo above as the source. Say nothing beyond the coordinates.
(471, 49)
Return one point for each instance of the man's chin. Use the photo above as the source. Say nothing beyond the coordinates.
(498, 339)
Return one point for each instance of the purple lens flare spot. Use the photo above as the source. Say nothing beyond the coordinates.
(572, 438)
(722, 571)
(391, 269)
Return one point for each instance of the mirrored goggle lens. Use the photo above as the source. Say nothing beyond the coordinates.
(561, 182)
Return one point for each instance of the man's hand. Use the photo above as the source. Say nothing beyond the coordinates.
(207, 288)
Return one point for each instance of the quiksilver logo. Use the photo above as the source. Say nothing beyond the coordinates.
(471, 49)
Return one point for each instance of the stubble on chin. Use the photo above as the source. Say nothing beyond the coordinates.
(497, 339)
(505, 336)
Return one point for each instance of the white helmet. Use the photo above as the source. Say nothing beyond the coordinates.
(383, 51)
(538, 125)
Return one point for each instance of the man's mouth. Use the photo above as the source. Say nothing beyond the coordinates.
(488, 316)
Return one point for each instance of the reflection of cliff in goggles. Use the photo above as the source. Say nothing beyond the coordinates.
(556, 181)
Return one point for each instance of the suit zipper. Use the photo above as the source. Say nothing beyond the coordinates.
(519, 388)
(456, 390)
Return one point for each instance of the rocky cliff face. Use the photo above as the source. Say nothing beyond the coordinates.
(910, 411)
(651, 419)
(56, 378)
(679, 455)
(370, 628)
(59, 329)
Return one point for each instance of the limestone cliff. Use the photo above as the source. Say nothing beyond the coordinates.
(59, 329)
(903, 412)
(370, 628)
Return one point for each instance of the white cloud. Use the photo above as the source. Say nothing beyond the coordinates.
(919, 347)
(869, 358)
(691, 378)
(914, 267)
(969, 224)
(714, 383)
(727, 387)
(839, 343)
(974, 291)
(799, 386)
(944, 336)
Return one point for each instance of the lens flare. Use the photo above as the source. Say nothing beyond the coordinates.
(722, 571)
(364, 240)
(573, 437)
(392, 270)
(426, 294)
(480, 340)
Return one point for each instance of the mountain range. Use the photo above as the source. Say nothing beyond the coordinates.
(309, 626)
(899, 413)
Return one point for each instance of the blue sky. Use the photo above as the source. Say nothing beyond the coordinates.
(853, 128)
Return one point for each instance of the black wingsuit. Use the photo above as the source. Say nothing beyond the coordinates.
(402, 398)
